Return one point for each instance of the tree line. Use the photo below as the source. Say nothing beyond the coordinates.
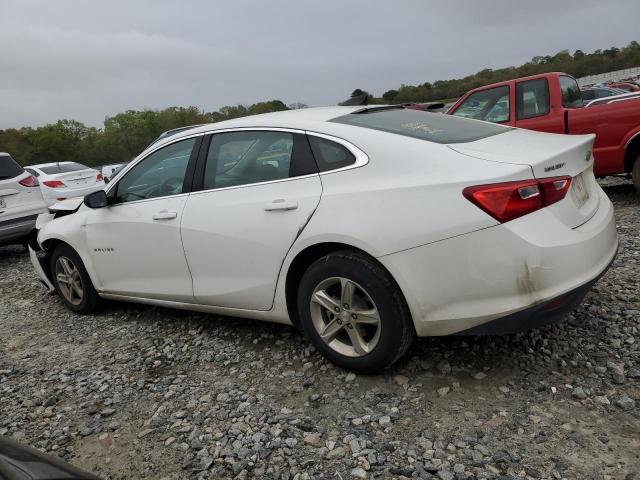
(579, 64)
(121, 139)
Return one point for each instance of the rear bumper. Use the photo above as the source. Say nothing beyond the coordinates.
(16, 229)
(547, 313)
(517, 272)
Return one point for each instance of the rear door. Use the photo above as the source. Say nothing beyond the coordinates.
(259, 188)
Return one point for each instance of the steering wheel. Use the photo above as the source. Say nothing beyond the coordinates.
(171, 186)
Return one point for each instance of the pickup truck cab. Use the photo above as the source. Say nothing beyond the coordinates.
(552, 102)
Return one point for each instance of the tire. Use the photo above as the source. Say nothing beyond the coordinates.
(635, 174)
(354, 340)
(65, 262)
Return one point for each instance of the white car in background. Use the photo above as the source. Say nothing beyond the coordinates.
(20, 201)
(363, 226)
(62, 180)
(109, 171)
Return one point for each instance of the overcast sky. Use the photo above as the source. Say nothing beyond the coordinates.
(85, 60)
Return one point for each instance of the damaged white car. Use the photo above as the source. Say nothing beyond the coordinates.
(363, 226)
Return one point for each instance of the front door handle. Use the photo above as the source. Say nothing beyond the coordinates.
(280, 204)
(165, 215)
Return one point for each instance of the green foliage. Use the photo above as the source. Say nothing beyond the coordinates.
(579, 64)
(123, 136)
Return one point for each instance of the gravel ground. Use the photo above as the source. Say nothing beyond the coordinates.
(142, 392)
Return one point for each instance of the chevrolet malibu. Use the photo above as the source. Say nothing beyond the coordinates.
(363, 226)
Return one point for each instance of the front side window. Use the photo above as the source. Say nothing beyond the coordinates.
(247, 157)
(532, 98)
(491, 105)
(571, 95)
(160, 174)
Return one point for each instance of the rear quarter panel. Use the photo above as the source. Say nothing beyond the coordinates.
(409, 194)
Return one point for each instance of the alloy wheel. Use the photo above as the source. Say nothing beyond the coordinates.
(69, 280)
(345, 317)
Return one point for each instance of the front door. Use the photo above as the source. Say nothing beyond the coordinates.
(135, 242)
(260, 188)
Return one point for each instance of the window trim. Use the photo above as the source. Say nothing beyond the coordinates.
(361, 158)
(508, 87)
(546, 112)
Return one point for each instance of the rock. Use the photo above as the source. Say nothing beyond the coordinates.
(169, 441)
(578, 393)
(312, 438)
(50, 401)
(105, 440)
(602, 400)
(480, 375)
(634, 373)
(442, 392)
(336, 453)
(358, 472)
(384, 420)
(350, 377)
(107, 412)
(401, 380)
(625, 403)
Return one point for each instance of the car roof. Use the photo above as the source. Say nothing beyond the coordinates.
(301, 119)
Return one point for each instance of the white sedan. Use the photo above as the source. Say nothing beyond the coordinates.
(363, 226)
(63, 180)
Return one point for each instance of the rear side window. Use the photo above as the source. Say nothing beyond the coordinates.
(491, 105)
(9, 168)
(63, 168)
(248, 157)
(571, 95)
(532, 98)
(330, 155)
(434, 127)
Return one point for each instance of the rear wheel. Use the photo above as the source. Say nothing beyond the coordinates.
(635, 174)
(72, 281)
(353, 312)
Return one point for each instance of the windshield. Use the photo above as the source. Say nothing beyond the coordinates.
(434, 127)
(63, 168)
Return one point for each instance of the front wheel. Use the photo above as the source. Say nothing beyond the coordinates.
(353, 312)
(72, 281)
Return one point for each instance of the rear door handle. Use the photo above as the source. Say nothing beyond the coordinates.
(280, 204)
(165, 215)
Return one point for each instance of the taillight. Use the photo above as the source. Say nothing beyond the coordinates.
(509, 200)
(99, 178)
(29, 181)
(53, 183)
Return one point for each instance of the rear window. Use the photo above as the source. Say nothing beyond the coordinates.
(63, 168)
(434, 127)
(9, 168)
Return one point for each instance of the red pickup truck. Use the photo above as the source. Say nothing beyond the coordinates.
(552, 102)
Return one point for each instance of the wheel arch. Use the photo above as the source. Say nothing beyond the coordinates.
(303, 260)
(631, 152)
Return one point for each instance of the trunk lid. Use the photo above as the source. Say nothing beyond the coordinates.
(78, 179)
(548, 155)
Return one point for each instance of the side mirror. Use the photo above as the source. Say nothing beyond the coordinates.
(96, 199)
